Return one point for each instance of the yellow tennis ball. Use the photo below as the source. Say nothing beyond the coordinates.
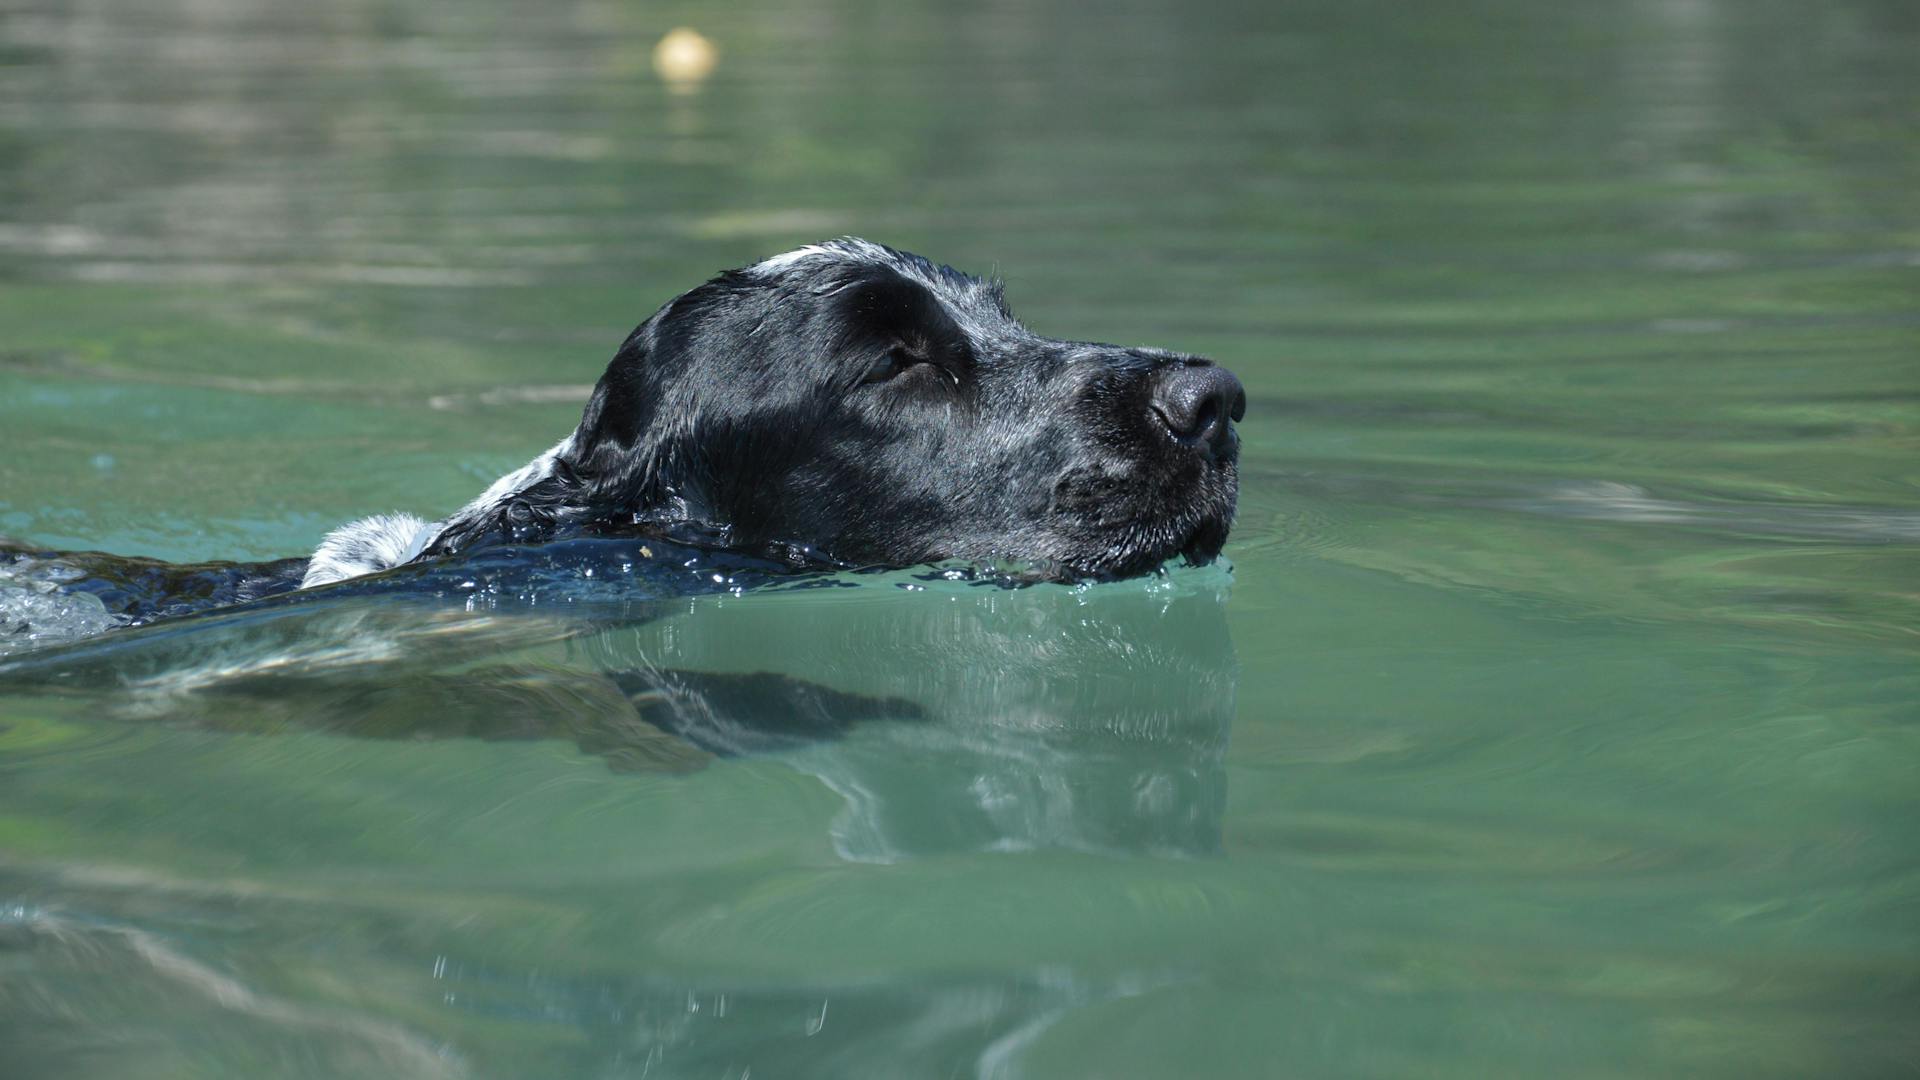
(684, 56)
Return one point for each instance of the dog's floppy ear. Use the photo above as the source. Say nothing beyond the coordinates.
(630, 454)
(613, 448)
(606, 467)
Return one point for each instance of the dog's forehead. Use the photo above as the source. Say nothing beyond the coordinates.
(955, 288)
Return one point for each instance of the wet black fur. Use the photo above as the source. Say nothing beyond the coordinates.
(748, 410)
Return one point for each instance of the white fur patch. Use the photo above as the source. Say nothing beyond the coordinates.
(385, 541)
(835, 250)
(368, 545)
(515, 482)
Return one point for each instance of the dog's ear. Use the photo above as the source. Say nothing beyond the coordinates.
(612, 450)
(603, 467)
(615, 466)
(630, 453)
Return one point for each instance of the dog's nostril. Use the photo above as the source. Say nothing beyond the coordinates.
(1198, 402)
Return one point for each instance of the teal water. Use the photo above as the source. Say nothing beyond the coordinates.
(1555, 717)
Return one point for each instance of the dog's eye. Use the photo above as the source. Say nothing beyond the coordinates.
(888, 364)
(898, 361)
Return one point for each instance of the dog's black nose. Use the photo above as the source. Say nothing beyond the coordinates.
(1197, 401)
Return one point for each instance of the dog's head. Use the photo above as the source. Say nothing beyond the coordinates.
(875, 408)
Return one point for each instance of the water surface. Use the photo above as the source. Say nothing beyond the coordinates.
(1555, 717)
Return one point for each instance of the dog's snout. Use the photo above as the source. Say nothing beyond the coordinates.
(1198, 402)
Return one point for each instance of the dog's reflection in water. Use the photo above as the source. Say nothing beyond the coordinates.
(949, 718)
(1093, 719)
(640, 720)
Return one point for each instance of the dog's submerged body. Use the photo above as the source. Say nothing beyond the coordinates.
(851, 403)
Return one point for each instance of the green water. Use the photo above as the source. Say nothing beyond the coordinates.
(1557, 716)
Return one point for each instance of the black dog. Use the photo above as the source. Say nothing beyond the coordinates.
(850, 403)
(842, 404)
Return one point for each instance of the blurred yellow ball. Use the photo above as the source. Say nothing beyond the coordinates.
(684, 57)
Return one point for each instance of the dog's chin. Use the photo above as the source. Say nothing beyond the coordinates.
(1194, 542)
(1204, 545)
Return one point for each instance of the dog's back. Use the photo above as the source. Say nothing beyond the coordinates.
(49, 596)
